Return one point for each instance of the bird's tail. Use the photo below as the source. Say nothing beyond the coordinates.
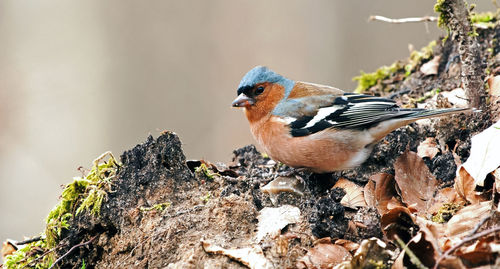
(417, 114)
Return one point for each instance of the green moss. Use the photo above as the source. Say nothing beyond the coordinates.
(482, 17)
(203, 169)
(29, 256)
(428, 95)
(446, 211)
(83, 194)
(444, 11)
(376, 264)
(157, 207)
(368, 80)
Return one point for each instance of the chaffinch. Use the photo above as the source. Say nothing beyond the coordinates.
(317, 127)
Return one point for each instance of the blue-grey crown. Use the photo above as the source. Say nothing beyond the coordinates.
(260, 74)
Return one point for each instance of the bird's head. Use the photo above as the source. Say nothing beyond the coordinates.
(261, 84)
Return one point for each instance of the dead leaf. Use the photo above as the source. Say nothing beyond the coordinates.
(253, 257)
(496, 175)
(481, 252)
(347, 244)
(456, 97)
(431, 67)
(416, 182)
(324, 255)
(385, 191)
(494, 85)
(369, 193)
(8, 247)
(465, 187)
(428, 148)
(466, 219)
(370, 252)
(398, 221)
(353, 197)
(445, 196)
(272, 220)
(484, 154)
(424, 250)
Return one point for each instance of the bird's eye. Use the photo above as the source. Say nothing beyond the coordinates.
(259, 90)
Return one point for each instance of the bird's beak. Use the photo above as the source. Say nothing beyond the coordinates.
(243, 101)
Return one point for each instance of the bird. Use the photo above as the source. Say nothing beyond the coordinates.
(319, 128)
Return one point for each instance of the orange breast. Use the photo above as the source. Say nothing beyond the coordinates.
(320, 152)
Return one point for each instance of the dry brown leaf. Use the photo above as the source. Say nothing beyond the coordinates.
(253, 257)
(353, 197)
(443, 196)
(465, 187)
(324, 255)
(369, 193)
(416, 182)
(494, 85)
(424, 249)
(398, 221)
(480, 252)
(466, 219)
(8, 248)
(428, 148)
(272, 220)
(371, 251)
(431, 67)
(456, 97)
(385, 191)
(347, 244)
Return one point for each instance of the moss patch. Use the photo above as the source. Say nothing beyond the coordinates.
(83, 194)
(32, 255)
(445, 213)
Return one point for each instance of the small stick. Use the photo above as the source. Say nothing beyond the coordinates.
(403, 20)
(71, 249)
(31, 240)
(465, 240)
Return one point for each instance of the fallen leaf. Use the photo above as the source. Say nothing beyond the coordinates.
(445, 196)
(369, 193)
(398, 221)
(496, 175)
(424, 249)
(494, 85)
(272, 220)
(456, 97)
(8, 247)
(431, 67)
(385, 191)
(466, 219)
(484, 154)
(347, 244)
(480, 252)
(353, 197)
(283, 184)
(416, 182)
(465, 187)
(428, 148)
(372, 251)
(324, 255)
(253, 257)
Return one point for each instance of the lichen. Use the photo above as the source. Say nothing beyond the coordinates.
(83, 194)
(446, 211)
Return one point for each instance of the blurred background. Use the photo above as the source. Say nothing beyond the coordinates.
(78, 78)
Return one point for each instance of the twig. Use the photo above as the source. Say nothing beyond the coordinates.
(31, 240)
(465, 240)
(479, 224)
(71, 249)
(403, 20)
(455, 15)
(413, 258)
